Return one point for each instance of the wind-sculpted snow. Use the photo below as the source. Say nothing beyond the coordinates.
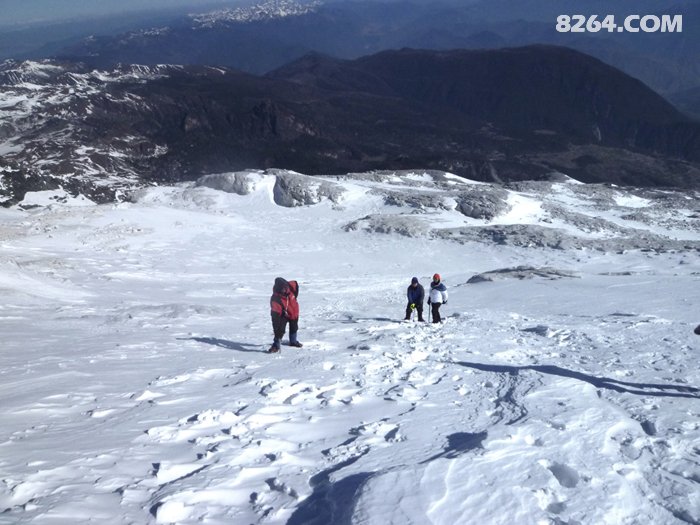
(290, 189)
(406, 225)
(562, 388)
(240, 183)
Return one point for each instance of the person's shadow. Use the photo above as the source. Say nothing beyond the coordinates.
(223, 343)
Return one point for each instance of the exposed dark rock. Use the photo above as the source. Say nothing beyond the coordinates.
(483, 202)
(408, 226)
(292, 190)
(536, 236)
(413, 199)
(520, 272)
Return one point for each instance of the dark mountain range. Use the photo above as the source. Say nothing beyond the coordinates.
(503, 115)
(564, 90)
(668, 62)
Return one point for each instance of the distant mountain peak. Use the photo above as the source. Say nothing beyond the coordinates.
(267, 10)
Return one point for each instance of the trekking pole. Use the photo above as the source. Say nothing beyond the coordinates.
(430, 309)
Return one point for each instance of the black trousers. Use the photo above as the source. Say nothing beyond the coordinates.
(279, 325)
(436, 312)
(419, 309)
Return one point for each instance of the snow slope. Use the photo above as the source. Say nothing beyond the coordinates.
(562, 388)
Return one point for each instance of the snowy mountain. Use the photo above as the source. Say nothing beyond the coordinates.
(562, 387)
(48, 135)
(269, 10)
(505, 115)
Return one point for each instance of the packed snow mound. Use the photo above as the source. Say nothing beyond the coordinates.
(290, 189)
(51, 197)
(406, 225)
(241, 183)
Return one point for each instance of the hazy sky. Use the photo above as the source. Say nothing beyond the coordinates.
(24, 11)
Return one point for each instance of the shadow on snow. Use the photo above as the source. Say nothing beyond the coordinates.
(330, 502)
(598, 382)
(352, 320)
(223, 343)
(459, 443)
(334, 502)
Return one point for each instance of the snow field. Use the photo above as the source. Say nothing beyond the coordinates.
(135, 387)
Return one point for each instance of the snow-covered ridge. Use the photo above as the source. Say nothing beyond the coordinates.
(435, 204)
(268, 10)
(31, 73)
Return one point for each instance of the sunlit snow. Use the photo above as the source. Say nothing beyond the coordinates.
(563, 386)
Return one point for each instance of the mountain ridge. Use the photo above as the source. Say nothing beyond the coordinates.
(394, 110)
(667, 62)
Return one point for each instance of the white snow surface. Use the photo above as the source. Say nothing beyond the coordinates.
(135, 386)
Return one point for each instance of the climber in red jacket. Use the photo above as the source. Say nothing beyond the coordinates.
(284, 308)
